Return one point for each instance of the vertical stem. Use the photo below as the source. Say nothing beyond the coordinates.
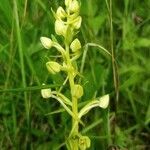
(111, 46)
(21, 56)
(74, 99)
(109, 7)
(113, 64)
(114, 67)
(25, 9)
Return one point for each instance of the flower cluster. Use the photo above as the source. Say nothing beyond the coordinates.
(68, 20)
(67, 24)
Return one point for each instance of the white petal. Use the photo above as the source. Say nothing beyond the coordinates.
(104, 101)
(46, 93)
(46, 42)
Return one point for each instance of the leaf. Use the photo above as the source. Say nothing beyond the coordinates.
(142, 42)
(53, 38)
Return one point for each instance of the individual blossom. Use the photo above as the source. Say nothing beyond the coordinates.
(104, 101)
(61, 13)
(46, 93)
(53, 67)
(46, 42)
(67, 2)
(77, 22)
(77, 91)
(75, 45)
(84, 142)
(60, 27)
(74, 6)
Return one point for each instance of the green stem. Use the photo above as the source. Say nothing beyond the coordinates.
(74, 100)
(21, 56)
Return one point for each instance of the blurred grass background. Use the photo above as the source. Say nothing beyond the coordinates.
(24, 123)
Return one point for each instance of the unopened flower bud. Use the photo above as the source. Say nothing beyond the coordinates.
(46, 42)
(74, 6)
(84, 142)
(77, 22)
(78, 91)
(60, 27)
(104, 101)
(60, 13)
(53, 67)
(75, 45)
(46, 93)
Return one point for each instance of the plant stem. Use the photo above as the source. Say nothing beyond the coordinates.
(74, 99)
(21, 56)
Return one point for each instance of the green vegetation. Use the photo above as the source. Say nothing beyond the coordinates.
(27, 121)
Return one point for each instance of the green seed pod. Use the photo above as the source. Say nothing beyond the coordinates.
(78, 91)
(61, 13)
(60, 27)
(46, 42)
(84, 142)
(53, 67)
(74, 6)
(77, 22)
(46, 93)
(75, 45)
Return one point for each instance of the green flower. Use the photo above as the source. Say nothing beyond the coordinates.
(74, 6)
(77, 22)
(84, 142)
(46, 42)
(67, 2)
(75, 45)
(104, 101)
(46, 93)
(60, 27)
(53, 67)
(61, 13)
(77, 91)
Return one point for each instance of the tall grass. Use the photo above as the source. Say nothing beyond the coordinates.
(25, 119)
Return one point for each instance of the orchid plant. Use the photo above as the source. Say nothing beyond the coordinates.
(67, 24)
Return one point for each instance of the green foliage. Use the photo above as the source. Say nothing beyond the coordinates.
(34, 123)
